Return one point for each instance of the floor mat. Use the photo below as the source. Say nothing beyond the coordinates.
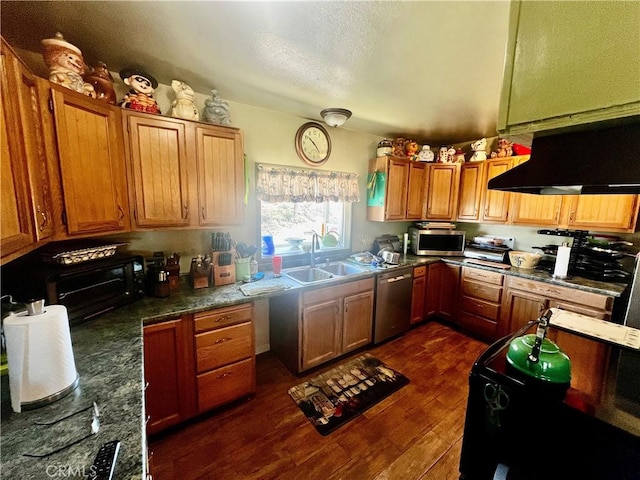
(336, 396)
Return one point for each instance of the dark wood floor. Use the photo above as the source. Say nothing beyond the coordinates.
(413, 434)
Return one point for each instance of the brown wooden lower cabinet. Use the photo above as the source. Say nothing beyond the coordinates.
(418, 293)
(169, 394)
(524, 300)
(480, 299)
(197, 362)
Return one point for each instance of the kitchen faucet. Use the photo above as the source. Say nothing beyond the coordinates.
(315, 243)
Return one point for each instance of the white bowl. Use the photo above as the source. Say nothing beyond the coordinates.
(294, 242)
(526, 260)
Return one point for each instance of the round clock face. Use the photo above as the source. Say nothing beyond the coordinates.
(313, 144)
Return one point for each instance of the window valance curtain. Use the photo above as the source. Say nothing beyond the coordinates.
(275, 183)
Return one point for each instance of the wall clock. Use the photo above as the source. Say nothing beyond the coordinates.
(313, 144)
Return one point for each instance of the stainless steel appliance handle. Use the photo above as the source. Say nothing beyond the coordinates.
(65, 294)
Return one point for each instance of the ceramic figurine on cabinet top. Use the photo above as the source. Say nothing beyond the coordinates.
(425, 155)
(102, 82)
(183, 106)
(443, 155)
(505, 149)
(140, 96)
(385, 147)
(66, 64)
(410, 149)
(398, 147)
(216, 110)
(458, 157)
(479, 147)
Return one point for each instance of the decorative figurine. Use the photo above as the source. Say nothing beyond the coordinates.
(385, 147)
(140, 96)
(216, 110)
(183, 106)
(65, 64)
(458, 156)
(425, 155)
(398, 147)
(505, 149)
(410, 149)
(443, 155)
(479, 147)
(102, 82)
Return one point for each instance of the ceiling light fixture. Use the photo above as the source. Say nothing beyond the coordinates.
(334, 117)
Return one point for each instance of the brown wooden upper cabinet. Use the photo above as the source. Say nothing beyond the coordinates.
(610, 213)
(530, 209)
(471, 191)
(402, 198)
(441, 192)
(220, 169)
(158, 164)
(496, 203)
(92, 169)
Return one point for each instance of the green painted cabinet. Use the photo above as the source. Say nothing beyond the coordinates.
(570, 63)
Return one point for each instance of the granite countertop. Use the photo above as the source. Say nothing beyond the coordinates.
(109, 360)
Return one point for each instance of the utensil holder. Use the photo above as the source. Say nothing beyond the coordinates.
(222, 274)
(242, 268)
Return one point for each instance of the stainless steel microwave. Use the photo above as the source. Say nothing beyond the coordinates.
(437, 242)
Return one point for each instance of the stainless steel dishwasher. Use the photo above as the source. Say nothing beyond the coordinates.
(393, 303)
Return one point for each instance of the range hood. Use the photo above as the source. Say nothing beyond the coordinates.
(597, 161)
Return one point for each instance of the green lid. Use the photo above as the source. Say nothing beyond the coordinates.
(553, 364)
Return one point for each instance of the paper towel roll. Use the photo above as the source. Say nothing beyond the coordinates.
(562, 261)
(40, 357)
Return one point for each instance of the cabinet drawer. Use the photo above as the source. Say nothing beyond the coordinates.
(482, 275)
(221, 317)
(420, 271)
(481, 308)
(482, 326)
(572, 295)
(223, 345)
(481, 291)
(225, 384)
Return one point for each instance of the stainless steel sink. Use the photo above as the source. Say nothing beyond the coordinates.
(306, 275)
(341, 269)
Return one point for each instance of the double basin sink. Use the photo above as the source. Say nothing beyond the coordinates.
(306, 275)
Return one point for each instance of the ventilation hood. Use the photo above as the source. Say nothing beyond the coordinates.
(598, 161)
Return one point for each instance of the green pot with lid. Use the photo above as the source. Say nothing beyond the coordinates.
(552, 365)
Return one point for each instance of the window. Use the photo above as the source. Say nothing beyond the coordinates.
(290, 224)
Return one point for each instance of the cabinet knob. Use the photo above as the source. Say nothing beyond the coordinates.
(222, 340)
(225, 374)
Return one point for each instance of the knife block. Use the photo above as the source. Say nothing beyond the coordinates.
(222, 274)
(199, 275)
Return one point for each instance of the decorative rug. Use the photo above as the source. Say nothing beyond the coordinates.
(336, 396)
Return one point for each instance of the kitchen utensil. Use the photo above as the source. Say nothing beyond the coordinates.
(539, 357)
(331, 239)
(525, 260)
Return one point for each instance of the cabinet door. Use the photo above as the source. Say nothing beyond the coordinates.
(434, 288)
(528, 209)
(17, 228)
(415, 192)
(471, 190)
(518, 309)
(397, 181)
(321, 333)
(609, 213)
(592, 44)
(442, 191)
(496, 203)
(449, 288)
(157, 150)
(166, 374)
(92, 169)
(220, 167)
(357, 325)
(26, 99)
(418, 298)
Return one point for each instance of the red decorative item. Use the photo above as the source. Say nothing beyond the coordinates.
(520, 149)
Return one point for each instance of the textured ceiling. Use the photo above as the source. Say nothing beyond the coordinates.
(431, 70)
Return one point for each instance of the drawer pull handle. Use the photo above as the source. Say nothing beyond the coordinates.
(146, 420)
(222, 340)
(225, 374)
(223, 318)
(146, 385)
